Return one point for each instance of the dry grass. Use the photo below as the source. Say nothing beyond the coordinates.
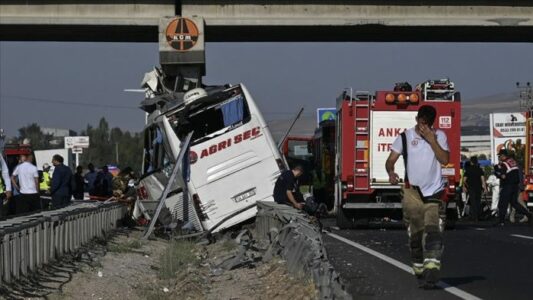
(125, 247)
(178, 256)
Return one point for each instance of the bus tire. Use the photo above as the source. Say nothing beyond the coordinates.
(343, 220)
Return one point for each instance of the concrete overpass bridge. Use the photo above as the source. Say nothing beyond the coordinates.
(277, 20)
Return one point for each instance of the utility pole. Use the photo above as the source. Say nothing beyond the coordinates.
(526, 102)
(116, 152)
(526, 95)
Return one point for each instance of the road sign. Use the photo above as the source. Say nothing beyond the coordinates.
(325, 114)
(76, 141)
(182, 34)
(77, 150)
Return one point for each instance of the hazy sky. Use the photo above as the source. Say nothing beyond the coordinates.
(38, 79)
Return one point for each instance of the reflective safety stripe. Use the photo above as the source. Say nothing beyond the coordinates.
(418, 268)
(431, 263)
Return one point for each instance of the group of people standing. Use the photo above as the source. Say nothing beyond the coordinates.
(505, 182)
(26, 189)
(22, 189)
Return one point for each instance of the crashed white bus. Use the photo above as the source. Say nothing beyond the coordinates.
(234, 160)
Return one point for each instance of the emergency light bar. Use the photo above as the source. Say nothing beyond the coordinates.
(401, 98)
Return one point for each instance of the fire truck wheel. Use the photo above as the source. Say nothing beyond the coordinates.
(343, 220)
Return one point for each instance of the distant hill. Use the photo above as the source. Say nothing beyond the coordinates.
(474, 116)
(304, 126)
(475, 112)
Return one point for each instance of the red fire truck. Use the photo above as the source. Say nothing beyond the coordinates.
(367, 124)
(12, 153)
(317, 154)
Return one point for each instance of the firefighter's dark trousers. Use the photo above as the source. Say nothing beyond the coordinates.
(425, 223)
(509, 195)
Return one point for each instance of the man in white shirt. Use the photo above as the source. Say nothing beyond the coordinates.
(5, 186)
(25, 179)
(423, 209)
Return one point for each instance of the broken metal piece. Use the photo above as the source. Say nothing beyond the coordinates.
(173, 177)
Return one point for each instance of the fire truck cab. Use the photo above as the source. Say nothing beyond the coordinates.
(12, 153)
(367, 125)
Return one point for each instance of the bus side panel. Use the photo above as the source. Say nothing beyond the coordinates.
(234, 171)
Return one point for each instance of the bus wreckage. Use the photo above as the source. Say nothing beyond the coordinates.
(230, 163)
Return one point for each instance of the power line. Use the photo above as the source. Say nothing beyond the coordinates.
(54, 101)
(44, 100)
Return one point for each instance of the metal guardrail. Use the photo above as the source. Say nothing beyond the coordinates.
(29, 242)
(292, 236)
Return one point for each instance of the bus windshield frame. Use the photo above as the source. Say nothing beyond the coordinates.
(213, 116)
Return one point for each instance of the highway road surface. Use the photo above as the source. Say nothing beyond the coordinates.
(479, 262)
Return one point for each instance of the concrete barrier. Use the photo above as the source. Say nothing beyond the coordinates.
(29, 242)
(292, 236)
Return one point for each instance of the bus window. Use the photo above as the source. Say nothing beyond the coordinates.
(155, 156)
(215, 119)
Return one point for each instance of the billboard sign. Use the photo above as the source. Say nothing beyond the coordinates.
(512, 144)
(76, 142)
(507, 131)
(326, 114)
(508, 124)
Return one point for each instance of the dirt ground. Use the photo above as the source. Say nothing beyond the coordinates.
(127, 268)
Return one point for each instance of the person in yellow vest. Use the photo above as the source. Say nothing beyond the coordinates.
(44, 186)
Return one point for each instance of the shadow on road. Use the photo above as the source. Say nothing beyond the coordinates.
(457, 281)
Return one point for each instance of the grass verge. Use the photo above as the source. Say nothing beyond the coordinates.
(178, 255)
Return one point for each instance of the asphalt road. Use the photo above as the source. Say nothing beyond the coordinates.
(478, 261)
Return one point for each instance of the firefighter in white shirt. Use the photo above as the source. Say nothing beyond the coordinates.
(422, 205)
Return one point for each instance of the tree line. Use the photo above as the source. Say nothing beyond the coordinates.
(107, 145)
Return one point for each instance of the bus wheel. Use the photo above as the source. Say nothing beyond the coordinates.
(343, 220)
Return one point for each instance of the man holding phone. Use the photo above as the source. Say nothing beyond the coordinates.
(422, 206)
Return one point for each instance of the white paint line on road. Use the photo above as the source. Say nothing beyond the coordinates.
(522, 236)
(479, 228)
(448, 288)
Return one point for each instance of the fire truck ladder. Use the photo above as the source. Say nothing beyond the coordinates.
(363, 101)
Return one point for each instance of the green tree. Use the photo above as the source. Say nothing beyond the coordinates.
(99, 152)
(105, 141)
(36, 137)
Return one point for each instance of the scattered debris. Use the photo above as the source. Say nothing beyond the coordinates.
(183, 269)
